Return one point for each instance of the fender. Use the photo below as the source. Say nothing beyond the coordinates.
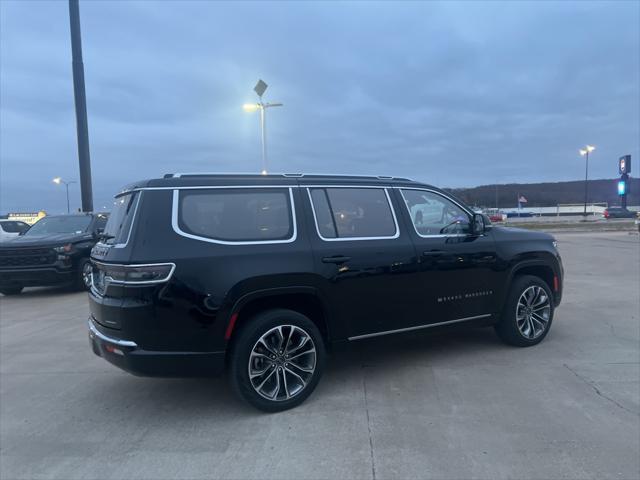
(247, 298)
(553, 266)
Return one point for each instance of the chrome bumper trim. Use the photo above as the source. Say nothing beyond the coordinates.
(121, 343)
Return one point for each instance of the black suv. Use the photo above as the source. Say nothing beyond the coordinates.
(262, 274)
(54, 251)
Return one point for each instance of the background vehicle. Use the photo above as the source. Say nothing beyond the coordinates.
(262, 274)
(618, 212)
(11, 228)
(496, 215)
(54, 251)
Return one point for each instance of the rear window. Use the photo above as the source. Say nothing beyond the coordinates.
(237, 215)
(353, 213)
(117, 229)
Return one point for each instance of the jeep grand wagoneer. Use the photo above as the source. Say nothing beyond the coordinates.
(261, 274)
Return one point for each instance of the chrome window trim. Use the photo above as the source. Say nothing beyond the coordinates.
(122, 343)
(437, 235)
(419, 327)
(176, 227)
(135, 212)
(348, 239)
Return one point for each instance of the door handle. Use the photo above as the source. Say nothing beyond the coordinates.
(338, 259)
(432, 253)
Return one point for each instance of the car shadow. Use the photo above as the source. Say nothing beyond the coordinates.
(190, 398)
(41, 292)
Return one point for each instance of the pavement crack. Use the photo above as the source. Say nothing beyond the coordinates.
(598, 392)
(366, 406)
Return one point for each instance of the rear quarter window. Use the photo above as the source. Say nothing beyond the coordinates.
(118, 225)
(236, 215)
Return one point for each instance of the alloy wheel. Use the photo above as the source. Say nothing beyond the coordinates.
(282, 362)
(533, 312)
(87, 271)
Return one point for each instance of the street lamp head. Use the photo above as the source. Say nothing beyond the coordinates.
(587, 149)
(250, 107)
(264, 172)
(57, 180)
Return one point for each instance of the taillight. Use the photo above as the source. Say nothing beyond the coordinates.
(105, 274)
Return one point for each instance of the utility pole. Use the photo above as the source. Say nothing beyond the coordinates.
(82, 129)
(585, 153)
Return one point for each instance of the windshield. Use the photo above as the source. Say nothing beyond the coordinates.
(121, 218)
(64, 224)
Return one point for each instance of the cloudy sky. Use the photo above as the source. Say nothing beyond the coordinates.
(454, 94)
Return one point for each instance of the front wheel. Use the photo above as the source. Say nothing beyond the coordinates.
(528, 312)
(277, 360)
(83, 279)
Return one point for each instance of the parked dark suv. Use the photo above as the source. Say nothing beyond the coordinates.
(262, 274)
(54, 251)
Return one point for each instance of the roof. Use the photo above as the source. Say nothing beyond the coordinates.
(174, 180)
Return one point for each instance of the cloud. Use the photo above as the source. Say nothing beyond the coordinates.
(455, 94)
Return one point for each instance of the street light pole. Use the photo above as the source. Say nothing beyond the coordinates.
(58, 181)
(585, 153)
(263, 128)
(262, 106)
(82, 129)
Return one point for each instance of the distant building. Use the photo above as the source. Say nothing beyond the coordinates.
(29, 217)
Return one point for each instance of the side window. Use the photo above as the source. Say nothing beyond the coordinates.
(353, 213)
(433, 214)
(237, 215)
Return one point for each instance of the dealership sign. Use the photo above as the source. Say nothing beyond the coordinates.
(28, 217)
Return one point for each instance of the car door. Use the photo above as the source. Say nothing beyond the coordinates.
(458, 271)
(364, 259)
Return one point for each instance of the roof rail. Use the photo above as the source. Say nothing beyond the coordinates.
(287, 175)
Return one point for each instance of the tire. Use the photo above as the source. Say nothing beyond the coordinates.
(11, 290)
(528, 312)
(290, 382)
(82, 282)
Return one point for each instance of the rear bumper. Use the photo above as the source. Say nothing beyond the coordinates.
(128, 356)
(36, 277)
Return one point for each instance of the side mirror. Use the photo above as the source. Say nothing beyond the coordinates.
(478, 224)
(97, 232)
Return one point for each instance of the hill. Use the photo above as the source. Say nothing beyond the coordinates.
(548, 194)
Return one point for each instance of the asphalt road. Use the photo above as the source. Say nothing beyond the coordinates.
(454, 405)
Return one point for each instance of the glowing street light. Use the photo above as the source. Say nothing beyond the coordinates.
(58, 181)
(585, 153)
(260, 88)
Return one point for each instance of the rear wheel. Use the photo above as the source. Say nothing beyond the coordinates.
(11, 290)
(277, 360)
(528, 312)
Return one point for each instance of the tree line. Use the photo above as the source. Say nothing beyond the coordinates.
(548, 194)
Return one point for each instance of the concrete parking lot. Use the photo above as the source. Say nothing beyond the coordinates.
(458, 404)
